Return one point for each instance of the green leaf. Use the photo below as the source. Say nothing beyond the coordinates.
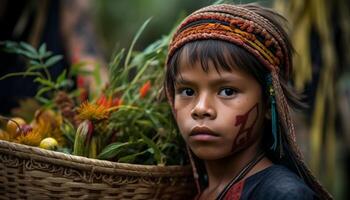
(131, 158)
(126, 93)
(128, 158)
(45, 82)
(61, 77)
(153, 119)
(27, 54)
(35, 67)
(42, 90)
(9, 45)
(112, 150)
(128, 56)
(116, 60)
(47, 54)
(42, 50)
(53, 60)
(34, 62)
(218, 2)
(115, 68)
(68, 131)
(141, 71)
(28, 47)
(144, 123)
(20, 74)
(152, 48)
(43, 100)
(97, 75)
(65, 150)
(151, 144)
(169, 146)
(66, 83)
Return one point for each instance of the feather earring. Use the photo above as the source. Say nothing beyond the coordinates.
(274, 115)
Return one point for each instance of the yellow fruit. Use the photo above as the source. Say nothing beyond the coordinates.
(12, 128)
(49, 143)
(4, 135)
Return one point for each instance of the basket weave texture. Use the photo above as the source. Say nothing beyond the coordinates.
(33, 173)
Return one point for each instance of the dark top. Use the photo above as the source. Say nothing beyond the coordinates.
(275, 182)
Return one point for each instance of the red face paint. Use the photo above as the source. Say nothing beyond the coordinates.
(245, 130)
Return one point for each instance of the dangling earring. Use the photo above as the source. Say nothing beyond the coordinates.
(274, 116)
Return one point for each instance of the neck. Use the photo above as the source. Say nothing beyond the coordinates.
(220, 172)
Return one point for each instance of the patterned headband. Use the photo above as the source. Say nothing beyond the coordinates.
(239, 26)
(249, 30)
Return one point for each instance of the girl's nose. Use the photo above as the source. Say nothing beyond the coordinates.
(203, 108)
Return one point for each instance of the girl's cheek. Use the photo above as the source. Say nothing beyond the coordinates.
(245, 131)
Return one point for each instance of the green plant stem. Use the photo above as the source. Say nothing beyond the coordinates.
(20, 73)
(128, 56)
(45, 70)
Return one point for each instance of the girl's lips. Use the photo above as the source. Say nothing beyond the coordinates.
(202, 130)
(203, 133)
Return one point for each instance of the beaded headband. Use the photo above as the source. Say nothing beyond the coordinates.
(249, 30)
(239, 26)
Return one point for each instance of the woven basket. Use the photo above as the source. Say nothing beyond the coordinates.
(33, 173)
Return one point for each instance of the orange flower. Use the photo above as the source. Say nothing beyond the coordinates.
(144, 89)
(91, 111)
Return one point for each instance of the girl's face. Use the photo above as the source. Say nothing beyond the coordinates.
(218, 112)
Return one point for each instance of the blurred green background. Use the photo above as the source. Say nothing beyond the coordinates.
(116, 22)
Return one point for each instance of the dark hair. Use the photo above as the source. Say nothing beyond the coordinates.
(222, 54)
(226, 56)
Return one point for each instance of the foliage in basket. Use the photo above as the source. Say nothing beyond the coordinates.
(129, 121)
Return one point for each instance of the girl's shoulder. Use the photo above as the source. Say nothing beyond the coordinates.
(275, 182)
(278, 182)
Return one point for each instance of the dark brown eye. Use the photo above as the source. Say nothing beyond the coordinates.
(187, 92)
(226, 92)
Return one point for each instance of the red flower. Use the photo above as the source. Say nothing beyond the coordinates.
(102, 100)
(108, 102)
(117, 102)
(144, 89)
(80, 81)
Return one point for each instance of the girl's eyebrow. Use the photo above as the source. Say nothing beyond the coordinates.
(181, 81)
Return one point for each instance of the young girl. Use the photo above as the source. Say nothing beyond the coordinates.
(226, 79)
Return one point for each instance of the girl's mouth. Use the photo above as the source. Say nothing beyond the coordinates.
(202, 133)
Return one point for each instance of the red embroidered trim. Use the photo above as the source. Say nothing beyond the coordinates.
(217, 31)
(235, 191)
